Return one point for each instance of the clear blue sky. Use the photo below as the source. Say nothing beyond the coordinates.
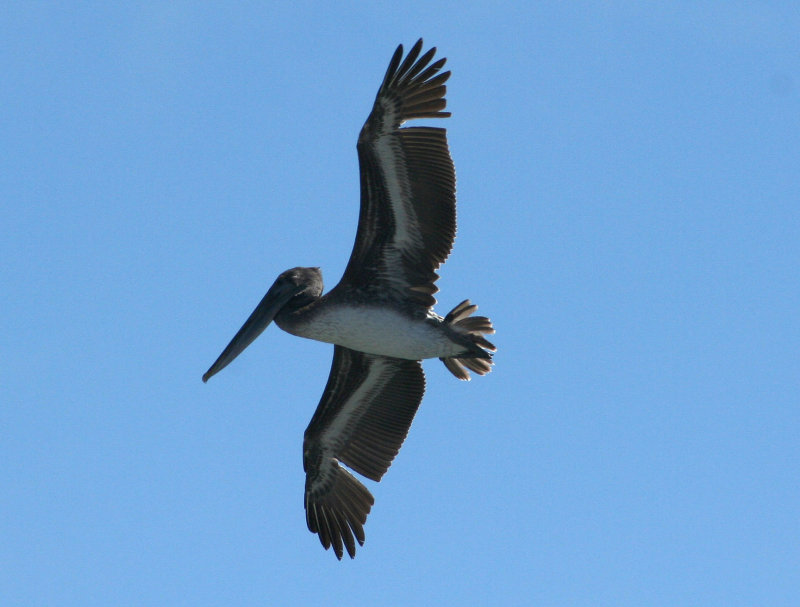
(629, 217)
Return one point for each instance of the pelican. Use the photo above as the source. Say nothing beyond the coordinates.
(380, 316)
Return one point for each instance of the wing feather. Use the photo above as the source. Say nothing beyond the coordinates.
(362, 420)
(407, 221)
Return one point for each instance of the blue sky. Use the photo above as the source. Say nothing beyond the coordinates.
(628, 185)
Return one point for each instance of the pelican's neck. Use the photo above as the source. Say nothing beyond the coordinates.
(296, 312)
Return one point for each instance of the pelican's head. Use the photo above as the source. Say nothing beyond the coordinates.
(293, 289)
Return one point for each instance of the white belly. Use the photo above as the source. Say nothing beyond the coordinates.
(377, 331)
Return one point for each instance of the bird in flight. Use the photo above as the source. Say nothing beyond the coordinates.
(380, 316)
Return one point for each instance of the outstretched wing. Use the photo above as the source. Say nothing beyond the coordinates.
(407, 221)
(361, 421)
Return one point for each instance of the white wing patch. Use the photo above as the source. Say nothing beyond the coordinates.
(406, 229)
(353, 408)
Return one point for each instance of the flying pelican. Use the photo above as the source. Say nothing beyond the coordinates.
(379, 317)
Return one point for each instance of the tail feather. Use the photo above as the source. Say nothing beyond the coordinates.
(480, 324)
(473, 328)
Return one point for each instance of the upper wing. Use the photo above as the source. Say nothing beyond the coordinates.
(362, 419)
(407, 221)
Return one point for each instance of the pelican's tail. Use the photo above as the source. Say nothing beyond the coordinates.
(473, 328)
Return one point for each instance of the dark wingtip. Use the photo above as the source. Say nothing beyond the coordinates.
(413, 84)
(338, 516)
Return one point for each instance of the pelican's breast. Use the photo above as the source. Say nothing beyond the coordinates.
(374, 330)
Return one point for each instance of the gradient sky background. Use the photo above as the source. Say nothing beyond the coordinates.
(629, 195)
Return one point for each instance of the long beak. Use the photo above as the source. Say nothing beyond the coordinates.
(270, 305)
